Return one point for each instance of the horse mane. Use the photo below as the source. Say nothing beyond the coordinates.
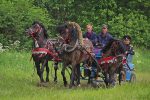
(75, 30)
(108, 45)
(44, 29)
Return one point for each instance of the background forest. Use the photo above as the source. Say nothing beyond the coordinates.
(122, 16)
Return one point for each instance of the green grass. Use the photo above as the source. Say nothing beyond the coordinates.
(17, 82)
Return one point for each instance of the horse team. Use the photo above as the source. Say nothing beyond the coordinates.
(72, 50)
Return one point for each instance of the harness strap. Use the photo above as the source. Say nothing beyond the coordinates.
(45, 51)
(112, 59)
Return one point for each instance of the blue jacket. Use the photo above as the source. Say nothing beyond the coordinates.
(91, 36)
(104, 40)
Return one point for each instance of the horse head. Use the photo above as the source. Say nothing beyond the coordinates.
(69, 35)
(63, 32)
(36, 31)
(113, 48)
(118, 47)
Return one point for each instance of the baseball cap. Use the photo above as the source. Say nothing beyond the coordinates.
(104, 26)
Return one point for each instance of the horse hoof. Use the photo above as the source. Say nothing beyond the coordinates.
(41, 84)
(55, 80)
(70, 86)
(47, 80)
(88, 83)
(44, 84)
(112, 85)
(79, 85)
(65, 84)
(42, 80)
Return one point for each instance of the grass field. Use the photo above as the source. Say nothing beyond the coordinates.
(17, 82)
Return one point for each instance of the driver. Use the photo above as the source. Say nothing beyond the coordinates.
(104, 37)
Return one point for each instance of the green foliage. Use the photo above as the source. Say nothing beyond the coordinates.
(122, 16)
(16, 16)
(132, 24)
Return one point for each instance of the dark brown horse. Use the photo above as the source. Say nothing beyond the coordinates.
(43, 50)
(111, 61)
(73, 52)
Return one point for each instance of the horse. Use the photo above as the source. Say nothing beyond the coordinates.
(112, 62)
(43, 50)
(74, 50)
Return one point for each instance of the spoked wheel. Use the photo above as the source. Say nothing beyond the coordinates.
(133, 78)
(98, 83)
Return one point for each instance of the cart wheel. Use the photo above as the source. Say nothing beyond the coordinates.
(133, 77)
(98, 84)
(94, 84)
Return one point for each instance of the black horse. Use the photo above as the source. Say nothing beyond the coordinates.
(43, 50)
(74, 50)
(111, 61)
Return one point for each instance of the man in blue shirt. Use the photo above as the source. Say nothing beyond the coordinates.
(104, 37)
(90, 34)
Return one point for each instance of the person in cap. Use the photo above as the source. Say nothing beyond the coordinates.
(104, 37)
(90, 34)
(128, 47)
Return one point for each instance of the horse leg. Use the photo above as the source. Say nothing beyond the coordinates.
(37, 64)
(106, 75)
(78, 74)
(63, 75)
(112, 79)
(112, 72)
(120, 75)
(72, 76)
(47, 74)
(123, 75)
(120, 78)
(106, 79)
(55, 68)
(89, 76)
(42, 69)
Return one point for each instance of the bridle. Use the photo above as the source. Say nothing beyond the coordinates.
(34, 32)
(66, 36)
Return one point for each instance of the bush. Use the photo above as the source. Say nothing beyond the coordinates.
(123, 17)
(16, 16)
